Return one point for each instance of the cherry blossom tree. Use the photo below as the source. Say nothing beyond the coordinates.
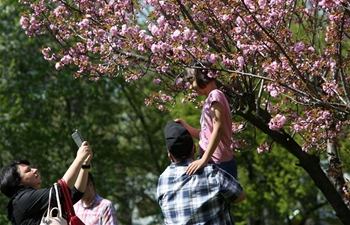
(283, 64)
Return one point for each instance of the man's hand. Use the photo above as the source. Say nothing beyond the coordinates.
(195, 166)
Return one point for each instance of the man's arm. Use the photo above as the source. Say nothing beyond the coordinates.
(232, 189)
(240, 198)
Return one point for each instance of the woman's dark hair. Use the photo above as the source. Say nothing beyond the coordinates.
(10, 178)
(200, 75)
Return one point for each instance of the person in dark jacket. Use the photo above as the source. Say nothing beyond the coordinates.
(28, 202)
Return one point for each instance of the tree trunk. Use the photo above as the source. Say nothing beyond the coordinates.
(335, 168)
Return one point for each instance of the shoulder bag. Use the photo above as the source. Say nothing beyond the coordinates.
(71, 217)
(48, 219)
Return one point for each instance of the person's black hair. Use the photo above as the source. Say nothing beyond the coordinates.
(91, 178)
(10, 178)
(200, 75)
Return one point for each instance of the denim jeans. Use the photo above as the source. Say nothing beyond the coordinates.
(229, 166)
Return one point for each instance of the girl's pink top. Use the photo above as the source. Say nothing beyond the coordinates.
(223, 152)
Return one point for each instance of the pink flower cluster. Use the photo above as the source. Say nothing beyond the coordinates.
(263, 147)
(277, 122)
(250, 42)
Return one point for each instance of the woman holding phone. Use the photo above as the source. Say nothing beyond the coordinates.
(28, 202)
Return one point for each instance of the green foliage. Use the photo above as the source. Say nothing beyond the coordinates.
(40, 108)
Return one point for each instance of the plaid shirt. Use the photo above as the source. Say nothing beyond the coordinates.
(202, 198)
(100, 212)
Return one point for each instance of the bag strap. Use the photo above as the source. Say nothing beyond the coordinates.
(49, 205)
(68, 198)
(58, 201)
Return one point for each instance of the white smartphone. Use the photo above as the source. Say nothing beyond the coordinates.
(78, 138)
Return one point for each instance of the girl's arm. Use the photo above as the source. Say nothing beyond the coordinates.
(216, 111)
(193, 131)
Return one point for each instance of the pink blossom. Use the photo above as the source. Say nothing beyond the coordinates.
(332, 64)
(297, 128)
(123, 30)
(46, 51)
(66, 59)
(212, 58)
(156, 81)
(140, 47)
(227, 61)
(213, 74)
(89, 44)
(155, 48)
(237, 127)
(147, 102)
(142, 33)
(113, 30)
(175, 36)
(148, 39)
(275, 90)
(262, 3)
(238, 30)
(166, 98)
(263, 147)
(311, 49)
(154, 30)
(179, 81)
(240, 21)
(187, 34)
(330, 88)
(225, 17)
(161, 21)
(58, 66)
(84, 24)
(234, 144)
(58, 11)
(277, 122)
(24, 22)
(164, 68)
(53, 27)
(269, 107)
(298, 47)
(240, 60)
(271, 68)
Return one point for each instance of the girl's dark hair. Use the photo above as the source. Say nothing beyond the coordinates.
(10, 178)
(200, 75)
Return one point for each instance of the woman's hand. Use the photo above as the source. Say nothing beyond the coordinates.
(85, 152)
